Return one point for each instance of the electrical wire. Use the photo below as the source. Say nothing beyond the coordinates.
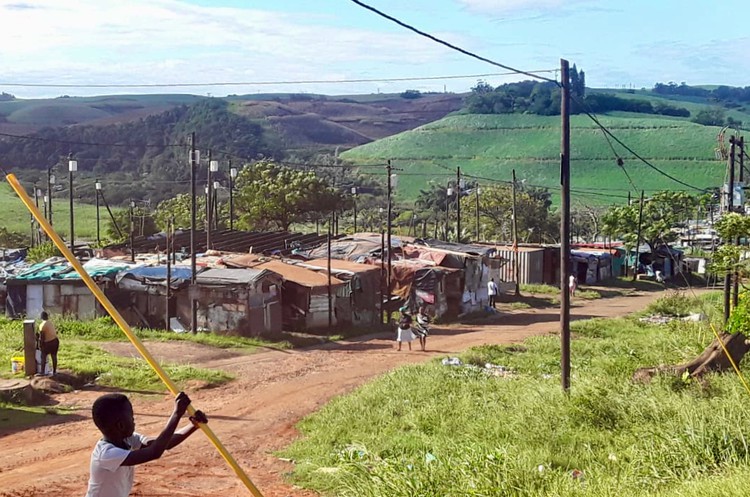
(450, 45)
(270, 83)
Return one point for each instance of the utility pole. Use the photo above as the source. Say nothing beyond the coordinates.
(389, 168)
(330, 293)
(477, 191)
(132, 232)
(638, 238)
(209, 186)
(193, 303)
(458, 204)
(111, 216)
(169, 276)
(730, 208)
(354, 201)
(565, 224)
(98, 188)
(232, 177)
(72, 167)
(50, 182)
(33, 229)
(516, 271)
(741, 145)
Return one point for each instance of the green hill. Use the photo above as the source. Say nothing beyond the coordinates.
(491, 146)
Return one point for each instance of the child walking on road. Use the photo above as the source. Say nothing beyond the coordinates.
(422, 329)
(121, 447)
(404, 333)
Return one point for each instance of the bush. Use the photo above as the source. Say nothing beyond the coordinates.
(675, 304)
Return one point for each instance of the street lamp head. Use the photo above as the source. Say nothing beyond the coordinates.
(449, 191)
(462, 184)
(233, 172)
(38, 193)
(216, 185)
(214, 166)
(132, 204)
(46, 199)
(72, 166)
(51, 179)
(98, 185)
(479, 190)
(380, 209)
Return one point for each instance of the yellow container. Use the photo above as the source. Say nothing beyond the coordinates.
(17, 365)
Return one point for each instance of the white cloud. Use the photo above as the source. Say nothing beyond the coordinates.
(158, 41)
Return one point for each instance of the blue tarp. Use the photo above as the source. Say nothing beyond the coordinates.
(156, 273)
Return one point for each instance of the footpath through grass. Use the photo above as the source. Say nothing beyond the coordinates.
(430, 430)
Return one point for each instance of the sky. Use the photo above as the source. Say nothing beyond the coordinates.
(633, 43)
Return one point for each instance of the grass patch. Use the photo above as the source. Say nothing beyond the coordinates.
(80, 354)
(14, 417)
(516, 306)
(537, 289)
(436, 430)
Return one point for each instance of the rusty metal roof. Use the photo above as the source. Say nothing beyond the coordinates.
(342, 265)
(289, 272)
(259, 242)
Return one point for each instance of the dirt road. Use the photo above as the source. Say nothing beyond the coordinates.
(254, 415)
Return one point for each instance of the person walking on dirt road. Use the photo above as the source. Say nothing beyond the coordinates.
(492, 292)
(404, 333)
(49, 343)
(422, 328)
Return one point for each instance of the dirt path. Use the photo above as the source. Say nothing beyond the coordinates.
(254, 415)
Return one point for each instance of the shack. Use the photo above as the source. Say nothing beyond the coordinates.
(55, 287)
(140, 295)
(363, 288)
(304, 292)
(245, 302)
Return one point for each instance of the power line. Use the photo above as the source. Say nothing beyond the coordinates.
(450, 45)
(270, 83)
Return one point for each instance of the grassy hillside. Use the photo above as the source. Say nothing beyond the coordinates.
(492, 145)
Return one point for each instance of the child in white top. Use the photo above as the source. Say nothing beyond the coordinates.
(121, 448)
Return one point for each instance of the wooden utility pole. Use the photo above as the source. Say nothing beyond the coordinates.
(458, 205)
(389, 226)
(169, 276)
(209, 187)
(565, 223)
(476, 196)
(330, 293)
(514, 219)
(638, 238)
(730, 208)
(736, 295)
(193, 246)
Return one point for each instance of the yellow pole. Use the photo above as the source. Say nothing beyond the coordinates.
(104, 301)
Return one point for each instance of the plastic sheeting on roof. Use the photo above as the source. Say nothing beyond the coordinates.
(231, 276)
(156, 273)
(98, 268)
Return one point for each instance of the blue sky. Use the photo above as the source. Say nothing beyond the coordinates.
(618, 43)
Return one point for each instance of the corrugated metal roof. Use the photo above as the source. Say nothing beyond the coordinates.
(235, 276)
(343, 265)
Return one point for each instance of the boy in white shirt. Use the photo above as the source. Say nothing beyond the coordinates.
(121, 448)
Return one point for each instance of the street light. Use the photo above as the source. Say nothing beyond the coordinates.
(448, 195)
(98, 186)
(477, 192)
(213, 167)
(354, 200)
(215, 205)
(232, 177)
(72, 167)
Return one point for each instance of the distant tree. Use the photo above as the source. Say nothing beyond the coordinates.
(6, 97)
(411, 94)
(272, 196)
(661, 213)
(179, 209)
(710, 117)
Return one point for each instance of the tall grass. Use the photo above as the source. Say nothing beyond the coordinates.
(436, 430)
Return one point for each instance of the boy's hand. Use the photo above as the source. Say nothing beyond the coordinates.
(198, 418)
(181, 403)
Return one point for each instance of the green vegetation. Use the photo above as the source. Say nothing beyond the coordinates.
(16, 219)
(675, 304)
(437, 430)
(491, 146)
(81, 354)
(539, 289)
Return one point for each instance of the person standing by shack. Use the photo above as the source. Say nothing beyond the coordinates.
(422, 328)
(572, 285)
(404, 333)
(49, 343)
(492, 292)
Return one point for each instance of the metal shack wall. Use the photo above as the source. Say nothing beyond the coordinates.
(530, 266)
